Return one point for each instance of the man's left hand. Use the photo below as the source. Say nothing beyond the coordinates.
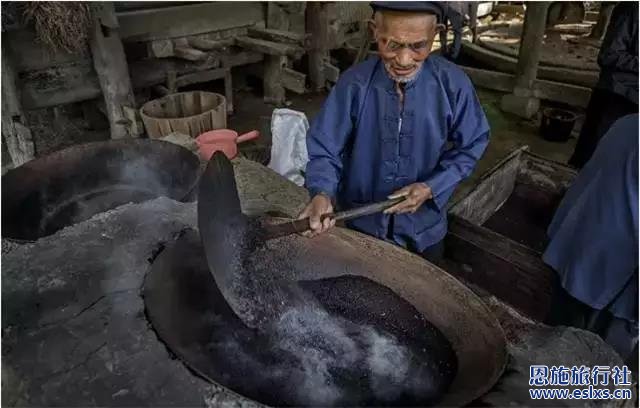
(416, 194)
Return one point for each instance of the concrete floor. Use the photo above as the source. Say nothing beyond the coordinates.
(508, 132)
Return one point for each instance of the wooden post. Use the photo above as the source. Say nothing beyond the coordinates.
(14, 125)
(228, 90)
(111, 66)
(317, 26)
(272, 81)
(531, 43)
(523, 101)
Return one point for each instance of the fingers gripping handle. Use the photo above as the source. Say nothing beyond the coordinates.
(302, 225)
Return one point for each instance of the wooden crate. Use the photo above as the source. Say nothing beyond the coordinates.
(496, 237)
(190, 113)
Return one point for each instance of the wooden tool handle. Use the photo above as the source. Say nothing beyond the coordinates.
(302, 225)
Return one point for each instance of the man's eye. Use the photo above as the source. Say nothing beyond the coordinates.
(394, 46)
(419, 46)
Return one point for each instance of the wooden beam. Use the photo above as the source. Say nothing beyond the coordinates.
(111, 66)
(147, 73)
(505, 63)
(281, 36)
(160, 48)
(200, 76)
(188, 19)
(572, 95)
(15, 131)
(78, 81)
(331, 72)
(189, 54)
(294, 81)
(270, 47)
(209, 45)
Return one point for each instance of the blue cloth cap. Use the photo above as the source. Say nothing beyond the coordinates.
(410, 6)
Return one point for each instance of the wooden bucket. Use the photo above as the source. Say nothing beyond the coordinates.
(191, 113)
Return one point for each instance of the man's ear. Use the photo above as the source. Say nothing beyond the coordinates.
(372, 29)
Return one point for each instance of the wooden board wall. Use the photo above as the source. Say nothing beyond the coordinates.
(191, 19)
(51, 78)
(492, 190)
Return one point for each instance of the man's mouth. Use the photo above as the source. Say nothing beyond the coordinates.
(404, 71)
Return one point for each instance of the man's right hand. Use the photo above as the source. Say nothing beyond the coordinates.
(319, 205)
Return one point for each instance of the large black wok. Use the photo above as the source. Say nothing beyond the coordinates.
(214, 304)
(47, 194)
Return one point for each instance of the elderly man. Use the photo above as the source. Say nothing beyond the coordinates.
(594, 243)
(402, 123)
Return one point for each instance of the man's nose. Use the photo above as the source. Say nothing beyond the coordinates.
(404, 58)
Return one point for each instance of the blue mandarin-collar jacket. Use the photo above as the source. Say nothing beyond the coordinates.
(364, 144)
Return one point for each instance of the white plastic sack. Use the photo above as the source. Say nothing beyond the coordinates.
(289, 146)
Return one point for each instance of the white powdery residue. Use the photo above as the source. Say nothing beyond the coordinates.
(319, 343)
(389, 365)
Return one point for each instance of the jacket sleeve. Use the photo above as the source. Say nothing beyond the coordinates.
(615, 52)
(327, 138)
(469, 137)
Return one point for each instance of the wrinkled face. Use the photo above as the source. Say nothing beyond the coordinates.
(404, 41)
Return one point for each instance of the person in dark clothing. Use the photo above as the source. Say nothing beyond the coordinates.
(593, 245)
(616, 93)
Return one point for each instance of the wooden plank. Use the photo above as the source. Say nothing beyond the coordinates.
(510, 271)
(17, 135)
(546, 174)
(270, 47)
(147, 73)
(492, 190)
(209, 45)
(573, 95)
(331, 72)
(281, 36)
(59, 86)
(504, 63)
(189, 54)
(111, 67)
(497, 81)
(160, 48)
(200, 76)
(78, 81)
(191, 19)
(294, 81)
(135, 123)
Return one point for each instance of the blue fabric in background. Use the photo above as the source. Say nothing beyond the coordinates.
(594, 233)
